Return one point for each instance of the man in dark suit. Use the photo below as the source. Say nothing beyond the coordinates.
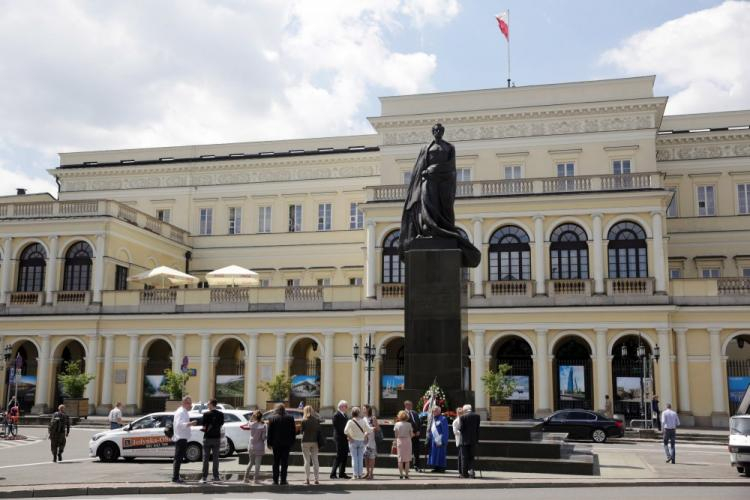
(281, 435)
(469, 425)
(342, 444)
(416, 427)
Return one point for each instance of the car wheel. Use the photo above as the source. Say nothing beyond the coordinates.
(599, 436)
(230, 449)
(108, 452)
(194, 452)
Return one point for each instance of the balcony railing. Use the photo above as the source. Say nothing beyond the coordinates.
(303, 293)
(734, 286)
(92, 208)
(630, 286)
(508, 288)
(569, 287)
(159, 296)
(26, 298)
(230, 295)
(391, 290)
(542, 185)
(72, 297)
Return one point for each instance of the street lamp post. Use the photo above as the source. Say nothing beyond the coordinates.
(369, 353)
(7, 352)
(646, 371)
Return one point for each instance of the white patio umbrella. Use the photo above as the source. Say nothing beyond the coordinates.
(162, 274)
(232, 276)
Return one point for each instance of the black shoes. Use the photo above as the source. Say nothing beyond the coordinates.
(333, 476)
(59, 457)
(344, 476)
(178, 481)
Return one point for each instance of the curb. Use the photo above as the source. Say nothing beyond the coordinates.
(169, 488)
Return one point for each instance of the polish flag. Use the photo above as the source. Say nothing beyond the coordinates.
(502, 22)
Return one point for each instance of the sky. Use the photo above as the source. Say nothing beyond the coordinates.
(88, 75)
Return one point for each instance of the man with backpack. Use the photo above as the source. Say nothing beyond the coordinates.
(59, 428)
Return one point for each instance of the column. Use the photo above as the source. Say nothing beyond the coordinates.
(356, 373)
(107, 370)
(542, 379)
(98, 282)
(205, 370)
(41, 401)
(539, 264)
(598, 256)
(3, 399)
(479, 362)
(327, 384)
(717, 380)
(131, 403)
(683, 378)
(658, 249)
(371, 264)
(92, 362)
(479, 270)
(665, 367)
(51, 271)
(5, 269)
(280, 366)
(251, 371)
(179, 351)
(602, 365)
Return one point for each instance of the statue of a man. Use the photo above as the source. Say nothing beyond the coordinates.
(428, 211)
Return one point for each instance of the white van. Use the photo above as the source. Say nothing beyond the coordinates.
(739, 443)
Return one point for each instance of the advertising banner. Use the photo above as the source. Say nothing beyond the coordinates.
(390, 385)
(521, 391)
(572, 383)
(629, 389)
(306, 386)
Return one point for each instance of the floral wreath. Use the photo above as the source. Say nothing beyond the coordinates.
(440, 399)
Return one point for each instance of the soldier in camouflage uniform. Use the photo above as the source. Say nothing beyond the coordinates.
(59, 428)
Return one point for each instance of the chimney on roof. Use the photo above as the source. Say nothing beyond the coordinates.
(20, 191)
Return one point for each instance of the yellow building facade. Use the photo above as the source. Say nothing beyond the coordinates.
(609, 233)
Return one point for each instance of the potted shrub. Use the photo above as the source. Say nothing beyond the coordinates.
(174, 385)
(74, 384)
(500, 386)
(278, 390)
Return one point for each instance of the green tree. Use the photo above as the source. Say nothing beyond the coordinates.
(174, 383)
(498, 384)
(279, 388)
(73, 381)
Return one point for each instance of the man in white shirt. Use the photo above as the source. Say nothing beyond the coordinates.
(181, 425)
(115, 416)
(669, 423)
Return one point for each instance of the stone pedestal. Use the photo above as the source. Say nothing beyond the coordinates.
(434, 320)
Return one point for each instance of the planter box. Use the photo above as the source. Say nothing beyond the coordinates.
(78, 407)
(172, 404)
(500, 413)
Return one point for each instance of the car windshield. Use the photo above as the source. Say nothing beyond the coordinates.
(740, 426)
(147, 422)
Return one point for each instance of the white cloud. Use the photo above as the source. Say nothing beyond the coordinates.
(700, 58)
(82, 75)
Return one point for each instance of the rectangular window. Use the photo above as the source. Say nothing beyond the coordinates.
(513, 172)
(265, 283)
(407, 177)
(358, 281)
(121, 278)
(672, 208)
(743, 197)
(164, 214)
(293, 282)
(264, 219)
(235, 220)
(675, 273)
(356, 216)
(620, 167)
(566, 169)
(463, 174)
(324, 281)
(746, 272)
(207, 215)
(324, 217)
(706, 205)
(295, 218)
(710, 272)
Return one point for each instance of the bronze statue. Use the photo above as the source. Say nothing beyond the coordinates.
(428, 211)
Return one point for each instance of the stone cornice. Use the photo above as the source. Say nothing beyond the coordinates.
(703, 145)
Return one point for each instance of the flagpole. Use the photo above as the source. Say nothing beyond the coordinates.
(508, 48)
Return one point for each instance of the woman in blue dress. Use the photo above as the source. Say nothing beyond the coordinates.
(437, 441)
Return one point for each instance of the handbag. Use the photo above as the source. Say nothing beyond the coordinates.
(394, 448)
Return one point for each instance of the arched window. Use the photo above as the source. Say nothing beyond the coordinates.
(627, 251)
(78, 267)
(31, 268)
(393, 268)
(569, 253)
(510, 255)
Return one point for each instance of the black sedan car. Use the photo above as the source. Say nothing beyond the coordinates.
(583, 424)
